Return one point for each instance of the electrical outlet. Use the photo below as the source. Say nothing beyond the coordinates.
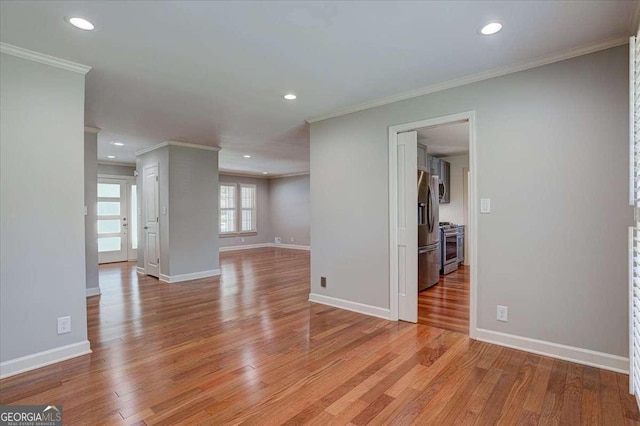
(323, 281)
(64, 325)
(277, 240)
(242, 240)
(291, 239)
(503, 313)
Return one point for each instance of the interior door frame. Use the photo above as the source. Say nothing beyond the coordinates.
(470, 116)
(142, 242)
(131, 180)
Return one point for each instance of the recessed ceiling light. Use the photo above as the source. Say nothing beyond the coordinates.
(491, 28)
(81, 23)
(290, 96)
(111, 156)
(117, 143)
(265, 173)
(247, 156)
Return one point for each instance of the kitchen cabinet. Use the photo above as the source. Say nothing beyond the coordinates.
(441, 168)
(422, 157)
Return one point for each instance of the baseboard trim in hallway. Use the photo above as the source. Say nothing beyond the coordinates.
(360, 308)
(171, 279)
(263, 245)
(42, 359)
(588, 357)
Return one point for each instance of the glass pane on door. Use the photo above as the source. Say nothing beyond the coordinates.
(133, 230)
(109, 226)
(108, 208)
(109, 190)
(109, 244)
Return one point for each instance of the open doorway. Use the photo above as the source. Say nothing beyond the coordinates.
(443, 297)
(405, 154)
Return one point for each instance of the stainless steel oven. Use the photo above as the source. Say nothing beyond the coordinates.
(449, 238)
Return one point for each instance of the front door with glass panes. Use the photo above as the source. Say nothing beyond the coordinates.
(113, 241)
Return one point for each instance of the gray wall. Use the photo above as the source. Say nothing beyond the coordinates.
(91, 203)
(42, 249)
(193, 211)
(161, 157)
(264, 234)
(290, 209)
(116, 170)
(551, 154)
(454, 210)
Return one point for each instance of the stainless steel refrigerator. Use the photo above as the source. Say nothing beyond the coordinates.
(428, 230)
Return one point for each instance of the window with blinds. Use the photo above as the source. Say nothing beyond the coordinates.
(238, 208)
(228, 201)
(247, 208)
(634, 233)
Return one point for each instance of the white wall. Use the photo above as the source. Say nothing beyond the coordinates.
(551, 154)
(91, 203)
(290, 209)
(42, 249)
(264, 234)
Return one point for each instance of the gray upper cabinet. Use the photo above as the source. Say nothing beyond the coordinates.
(422, 157)
(440, 168)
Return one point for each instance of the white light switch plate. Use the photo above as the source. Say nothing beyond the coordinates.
(485, 205)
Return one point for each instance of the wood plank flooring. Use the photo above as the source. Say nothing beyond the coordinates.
(446, 304)
(248, 348)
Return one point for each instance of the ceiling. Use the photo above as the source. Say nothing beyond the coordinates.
(214, 73)
(446, 139)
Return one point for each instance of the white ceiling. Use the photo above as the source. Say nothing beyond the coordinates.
(447, 139)
(213, 72)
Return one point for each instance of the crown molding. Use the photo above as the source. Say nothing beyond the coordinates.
(474, 78)
(258, 176)
(31, 55)
(176, 143)
(290, 175)
(89, 129)
(116, 163)
(226, 172)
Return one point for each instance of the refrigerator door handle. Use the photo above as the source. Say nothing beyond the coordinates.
(423, 251)
(429, 211)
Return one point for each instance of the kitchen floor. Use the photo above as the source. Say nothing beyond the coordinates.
(446, 304)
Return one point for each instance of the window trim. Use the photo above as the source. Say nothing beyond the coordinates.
(254, 209)
(235, 209)
(238, 210)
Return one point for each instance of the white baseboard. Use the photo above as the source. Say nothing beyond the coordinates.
(360, 308)
(263, 245)
(291, 246)
(140, 270)
(93, 291)
(245, 247)
(588, 357)
(42, 359)
(187, 277)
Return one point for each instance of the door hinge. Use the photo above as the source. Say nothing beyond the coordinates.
(157, 219)
(158, 261)
(156, 178)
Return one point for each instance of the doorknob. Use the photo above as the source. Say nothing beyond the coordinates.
(145, 227)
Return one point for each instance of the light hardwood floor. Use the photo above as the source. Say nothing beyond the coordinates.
(249, 348)
(446, 304)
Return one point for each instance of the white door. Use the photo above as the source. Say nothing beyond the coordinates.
(634, 231)
(407, 226)
(113, 241)
(151, 217)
